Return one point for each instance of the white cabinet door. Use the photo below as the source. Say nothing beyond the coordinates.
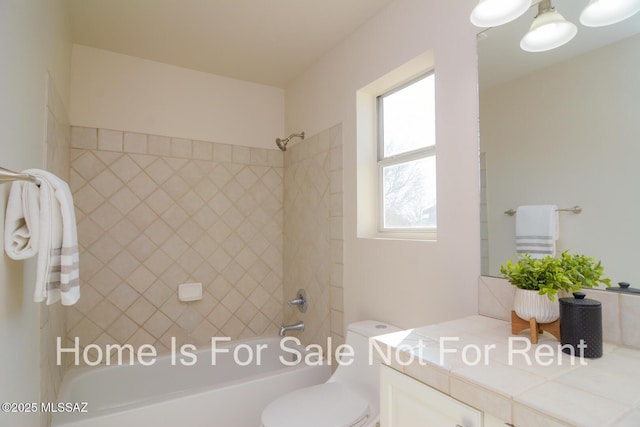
(491, 421)
(405, 402)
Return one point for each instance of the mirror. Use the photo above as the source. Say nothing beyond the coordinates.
(563, 127)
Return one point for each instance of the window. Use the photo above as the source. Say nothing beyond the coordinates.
(407, 157)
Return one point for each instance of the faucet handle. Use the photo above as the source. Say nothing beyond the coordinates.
(300, 301)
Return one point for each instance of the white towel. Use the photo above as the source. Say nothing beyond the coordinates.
(537, 230)
(41, 220)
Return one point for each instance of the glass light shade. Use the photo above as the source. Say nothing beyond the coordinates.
(549, 30)
(491, 13)
(599, 13)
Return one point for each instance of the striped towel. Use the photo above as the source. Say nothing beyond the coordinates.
(40, 221)
(537, 230)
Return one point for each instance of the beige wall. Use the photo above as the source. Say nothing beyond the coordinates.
(115, 91)
(154, 212)
(313, 234)
(34, 40)
(568, 135)
(407, 283)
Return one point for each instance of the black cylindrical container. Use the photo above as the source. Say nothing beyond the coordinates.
(581, 321)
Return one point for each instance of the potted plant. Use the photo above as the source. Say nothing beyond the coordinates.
(582, 272)
(538, 281)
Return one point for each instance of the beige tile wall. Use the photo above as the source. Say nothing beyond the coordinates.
(313, 234)
(620, 311)
(52, 317)
(154, 212)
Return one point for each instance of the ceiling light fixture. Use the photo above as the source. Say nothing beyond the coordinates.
(491, 13)
(549, 30)
(599, 13)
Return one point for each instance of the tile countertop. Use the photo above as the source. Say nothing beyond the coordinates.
(478, 361)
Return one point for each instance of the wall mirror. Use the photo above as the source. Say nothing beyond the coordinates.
(562, 127)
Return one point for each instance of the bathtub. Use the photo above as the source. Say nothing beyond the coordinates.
(170, 394)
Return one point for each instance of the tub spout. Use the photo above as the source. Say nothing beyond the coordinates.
(296, 327)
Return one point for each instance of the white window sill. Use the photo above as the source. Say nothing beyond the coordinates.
(429, 236)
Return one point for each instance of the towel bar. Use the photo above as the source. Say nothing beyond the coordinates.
(6, 176)
(576, 210)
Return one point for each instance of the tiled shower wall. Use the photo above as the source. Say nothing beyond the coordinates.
(154, 212)
(313, 234)
(52, 317)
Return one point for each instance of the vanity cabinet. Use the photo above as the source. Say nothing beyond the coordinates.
(405, 402)
(491, 421)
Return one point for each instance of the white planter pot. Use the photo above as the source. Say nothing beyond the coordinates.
(529, 304)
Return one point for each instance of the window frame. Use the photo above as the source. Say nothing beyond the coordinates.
(395, 159)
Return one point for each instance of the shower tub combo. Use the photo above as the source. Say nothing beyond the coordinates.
(168, 393)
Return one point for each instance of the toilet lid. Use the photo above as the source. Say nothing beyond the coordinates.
(325, 405)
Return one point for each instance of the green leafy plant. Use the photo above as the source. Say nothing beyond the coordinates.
(569, 272)
(583, 272)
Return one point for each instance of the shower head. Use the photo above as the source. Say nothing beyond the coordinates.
(282, 143)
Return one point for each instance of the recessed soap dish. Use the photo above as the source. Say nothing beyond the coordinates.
(190, 292)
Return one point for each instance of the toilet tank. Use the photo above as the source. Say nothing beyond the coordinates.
(362, 375)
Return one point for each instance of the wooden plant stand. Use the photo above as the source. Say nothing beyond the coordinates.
(518, 325)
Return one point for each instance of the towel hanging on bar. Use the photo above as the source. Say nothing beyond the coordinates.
(537, 230)
(41, 221)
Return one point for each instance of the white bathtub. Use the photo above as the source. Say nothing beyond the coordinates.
(220, 395)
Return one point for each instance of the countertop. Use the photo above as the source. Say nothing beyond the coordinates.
(477, 360)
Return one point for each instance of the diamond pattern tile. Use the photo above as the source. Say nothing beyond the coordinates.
(89, 231)
(142, 186)
(175, 186)
(141, 279)
(157, 324)
(106, 215)
(87, 166)
(159, 201)
(87, 199)
(140, 311)
(123, 296)
(158, 232)
(149, 221)
(105, 281)
(123, 232)
(125, 169)
(159, 171)
(308, 250)
(124, 200)
(106, 183)
(123, 328)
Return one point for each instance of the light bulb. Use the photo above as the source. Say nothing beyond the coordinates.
(549, 30)
(491, 13)
(599, 13)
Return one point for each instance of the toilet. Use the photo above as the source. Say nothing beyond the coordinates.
(350, 398)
